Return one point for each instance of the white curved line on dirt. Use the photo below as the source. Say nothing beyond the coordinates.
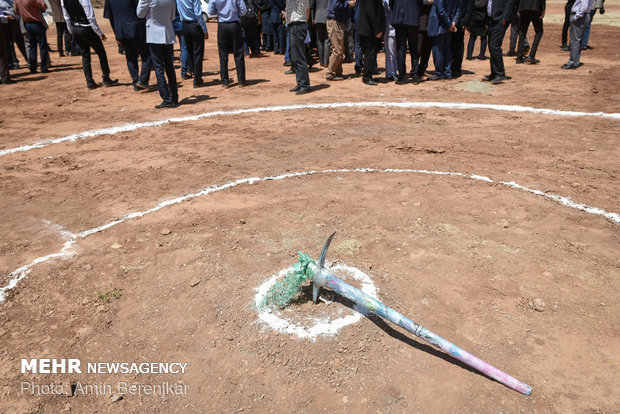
(18, 274)
(278, 321)
(446, 105)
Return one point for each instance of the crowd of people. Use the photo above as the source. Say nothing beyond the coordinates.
(335, 31)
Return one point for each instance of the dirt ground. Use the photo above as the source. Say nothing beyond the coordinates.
(519, 280)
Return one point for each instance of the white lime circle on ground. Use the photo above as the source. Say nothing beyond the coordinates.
(277, 319)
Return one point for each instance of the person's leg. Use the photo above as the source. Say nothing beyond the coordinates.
(523, 26)
(470, 47)
(425, 51)
(335, 29)
(224, 46)
(298, 54)
(189, 47)
(358, 51)
(483, 45)
(437, 57)
(577, 29)
(566, 25)
(496, 36)
(390, 55)
(59, 35)
(457, 46)
(97, 45)
(131, 56)
(79, 36)
(147, 63)
(369, 45)
(586, 34)
(31, 28)
(537, 22)
(237, 49)
(401, 51)
(412, 41)
(4, 55)
(168, 55)
(157, 57)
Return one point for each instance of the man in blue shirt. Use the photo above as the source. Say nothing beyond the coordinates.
(229, 37)
(195, 33)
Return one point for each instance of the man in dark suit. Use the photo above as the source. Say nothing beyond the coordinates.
(406, 22)
(279, 32)
(370, 26)
(130, 31)
(499, 12)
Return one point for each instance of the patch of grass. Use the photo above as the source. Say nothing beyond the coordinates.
(116, 294)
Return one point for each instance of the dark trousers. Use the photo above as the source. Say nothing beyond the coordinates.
(424, 46)
(4, 54)
(250, 34)
(472, 43)
(134, 48)
(298, 32)
(370, 46)
(195, 43)
(230, 40)
(15, 36)
(322, 43)
(279, 38)
(406, 36)
(527, 17)
(87, 38)
(441, 55)
(163, 61)
(567, 8)
(457, 47)
(496, 37)
(63, 34)
(37, 36)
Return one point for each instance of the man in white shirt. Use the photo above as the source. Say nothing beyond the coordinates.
(579, 19)
(82, 25)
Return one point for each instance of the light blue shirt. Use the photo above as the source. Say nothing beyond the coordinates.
(227, 10)
(189, 11)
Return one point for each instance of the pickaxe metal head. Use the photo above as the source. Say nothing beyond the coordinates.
(315, 286)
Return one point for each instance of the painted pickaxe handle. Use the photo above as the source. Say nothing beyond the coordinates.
(322, 278)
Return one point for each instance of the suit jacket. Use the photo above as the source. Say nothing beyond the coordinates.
(277, 6)
(532, 5)
(443, 13)
(320, 10)
(371, 18)
(502, 9)
(159, 15)
(124, 20)
(405, 12)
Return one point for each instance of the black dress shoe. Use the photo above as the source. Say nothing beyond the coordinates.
(370, 82)
(532, 60)
(295, 89)
(482, 57)
(567, 66)
(165, 104)
(416, 79)
(520, 60)
(286, 64)
(144, 87)
(401, 81)
(510, 53)
(92, 85)
(499, 79)
(198, 83)
(302, 91)
(289, 72)
(435, 78)
(46, 71)
(110, 82)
